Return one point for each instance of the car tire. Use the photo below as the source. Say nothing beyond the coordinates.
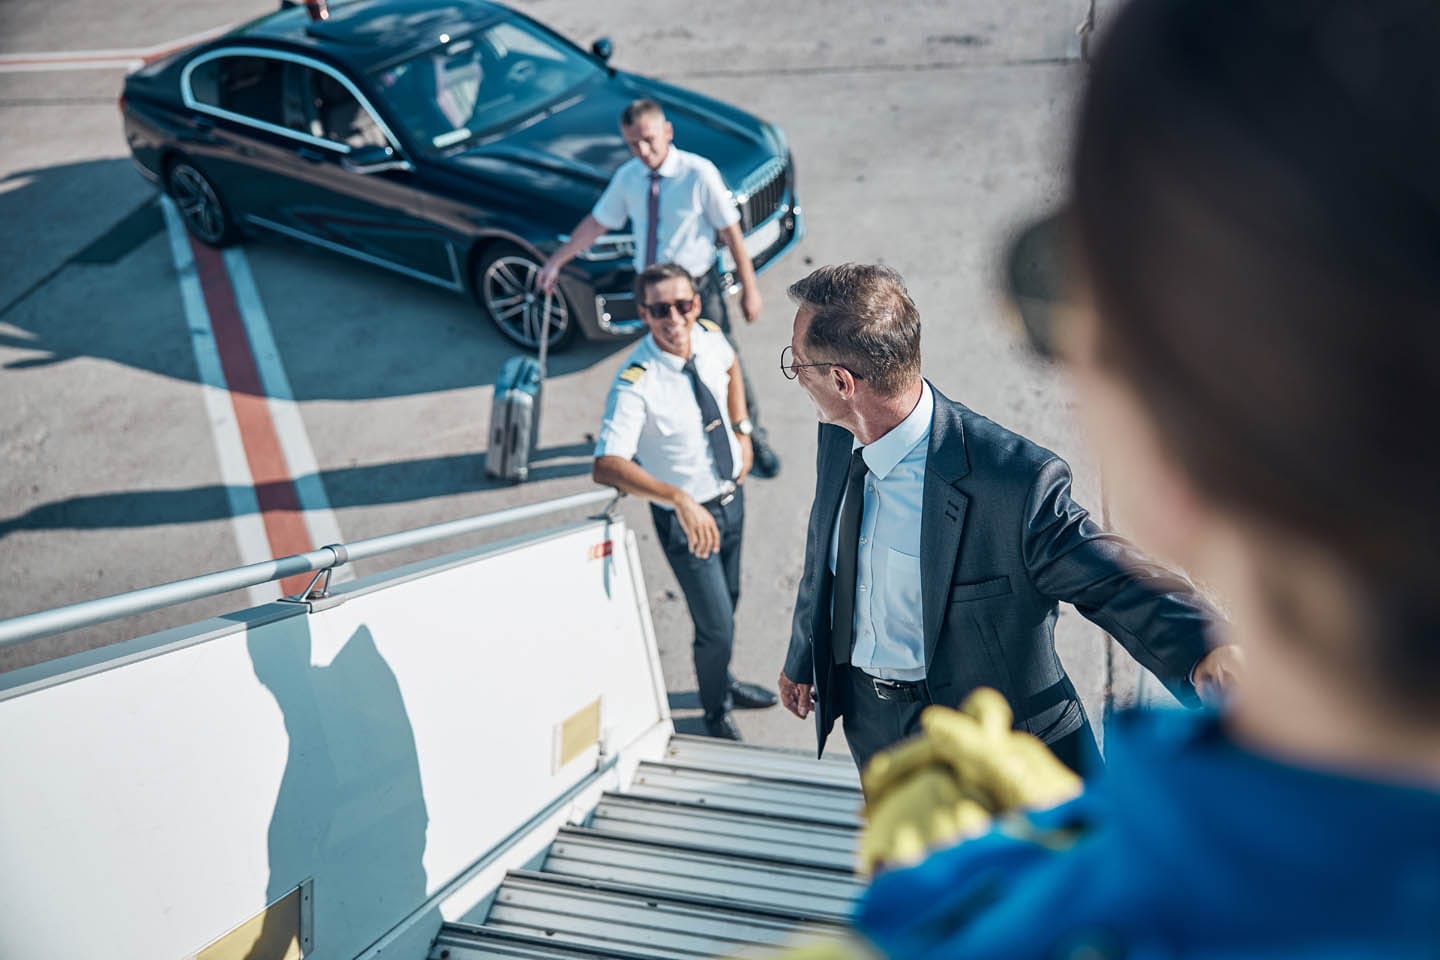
(200, 205)
(505, 287)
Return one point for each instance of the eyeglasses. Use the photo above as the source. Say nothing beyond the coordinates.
(791, 369)
(1038, 279)
(661, 309)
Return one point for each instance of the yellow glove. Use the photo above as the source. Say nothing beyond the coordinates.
(945, 785)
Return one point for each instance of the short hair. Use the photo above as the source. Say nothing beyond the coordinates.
(636, 109)
(659, 273)
(865, 321)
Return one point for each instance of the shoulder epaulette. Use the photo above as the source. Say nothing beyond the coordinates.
(633, 372)
(710, 325)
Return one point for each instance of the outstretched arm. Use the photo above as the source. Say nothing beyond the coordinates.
(1155, 614)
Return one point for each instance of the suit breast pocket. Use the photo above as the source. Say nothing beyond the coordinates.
(994, 587)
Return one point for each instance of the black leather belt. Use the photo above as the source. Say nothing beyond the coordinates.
(901, 691)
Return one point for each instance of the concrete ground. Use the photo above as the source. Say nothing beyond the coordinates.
(921, 129)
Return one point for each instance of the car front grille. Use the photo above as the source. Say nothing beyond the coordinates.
(761, 194)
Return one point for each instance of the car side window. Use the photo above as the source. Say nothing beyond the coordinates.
(249, 86)
(338, 116)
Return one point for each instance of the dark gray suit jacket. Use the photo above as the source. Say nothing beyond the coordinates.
(1000, 543)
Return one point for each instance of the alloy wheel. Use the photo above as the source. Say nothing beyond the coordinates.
(198, 203)
(517, 307)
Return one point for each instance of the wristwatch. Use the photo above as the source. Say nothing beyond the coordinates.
(744, 428)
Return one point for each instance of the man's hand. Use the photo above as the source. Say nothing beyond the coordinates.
(699, 526)
(798, 698)
(750, 303)
(747, 457)
(548, 276)
(1217, 673)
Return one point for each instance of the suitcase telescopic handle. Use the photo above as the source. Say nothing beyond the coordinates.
(545, 332)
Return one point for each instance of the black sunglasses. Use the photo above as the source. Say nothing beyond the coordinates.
(1037, 279)
(661, 309)
(791, 370)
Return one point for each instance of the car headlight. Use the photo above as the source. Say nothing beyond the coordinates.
(611, 246)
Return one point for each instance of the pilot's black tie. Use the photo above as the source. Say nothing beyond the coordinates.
(714, 424)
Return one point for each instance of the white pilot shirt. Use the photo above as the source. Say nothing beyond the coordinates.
(889, 624)
(651, 415)
(694, 204)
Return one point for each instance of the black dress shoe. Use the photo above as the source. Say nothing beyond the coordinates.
(751, 696)
(722, 727)
(766, 463)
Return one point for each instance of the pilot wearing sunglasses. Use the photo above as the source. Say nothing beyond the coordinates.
(677, 432)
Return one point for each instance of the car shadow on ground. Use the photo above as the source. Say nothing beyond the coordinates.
(344, 330)
(381, 483)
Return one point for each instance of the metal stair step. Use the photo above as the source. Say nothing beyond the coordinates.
(465, 941)
(747, 793)
(721, 878)
(600, 916)
(797, 766)
(703, 827)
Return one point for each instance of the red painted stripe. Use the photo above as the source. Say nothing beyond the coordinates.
(274, 488)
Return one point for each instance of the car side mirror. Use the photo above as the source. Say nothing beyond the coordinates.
(603, 49)
(374, 158)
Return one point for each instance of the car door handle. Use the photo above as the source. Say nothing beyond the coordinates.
(311, 156)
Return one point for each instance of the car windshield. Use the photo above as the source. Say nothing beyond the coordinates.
(480, 81)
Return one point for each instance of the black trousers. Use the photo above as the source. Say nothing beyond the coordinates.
(712, 588)
(872, 725)
(713, 307)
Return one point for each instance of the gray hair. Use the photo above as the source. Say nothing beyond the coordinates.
(863, 320)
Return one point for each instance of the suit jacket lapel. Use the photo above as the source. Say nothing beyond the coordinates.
(942, 515)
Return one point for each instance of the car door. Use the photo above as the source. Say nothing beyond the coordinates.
(347, 186)
(239, 134)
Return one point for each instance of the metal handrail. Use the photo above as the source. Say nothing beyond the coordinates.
(90, 612)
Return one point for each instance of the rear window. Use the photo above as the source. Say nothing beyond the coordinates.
(250, 86)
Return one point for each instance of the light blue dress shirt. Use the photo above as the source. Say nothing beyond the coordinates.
(889, 631)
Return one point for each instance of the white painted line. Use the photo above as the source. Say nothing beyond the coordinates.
(320, 519)
(42, 66)
(245, 517)
(114, 59)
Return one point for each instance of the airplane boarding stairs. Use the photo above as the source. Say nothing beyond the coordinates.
(715, 850)
(364, 771)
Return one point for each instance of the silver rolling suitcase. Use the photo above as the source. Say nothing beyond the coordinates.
(515, 416)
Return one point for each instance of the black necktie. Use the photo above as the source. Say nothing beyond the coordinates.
(713, 422)
(652, 217)
(842, 622)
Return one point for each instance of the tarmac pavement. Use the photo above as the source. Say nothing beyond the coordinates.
(921, 132)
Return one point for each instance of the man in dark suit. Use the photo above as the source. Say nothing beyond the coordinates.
(940, 543)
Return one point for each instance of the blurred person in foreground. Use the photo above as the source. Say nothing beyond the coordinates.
(1245, 285)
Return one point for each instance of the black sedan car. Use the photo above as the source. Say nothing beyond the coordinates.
(453, 141)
